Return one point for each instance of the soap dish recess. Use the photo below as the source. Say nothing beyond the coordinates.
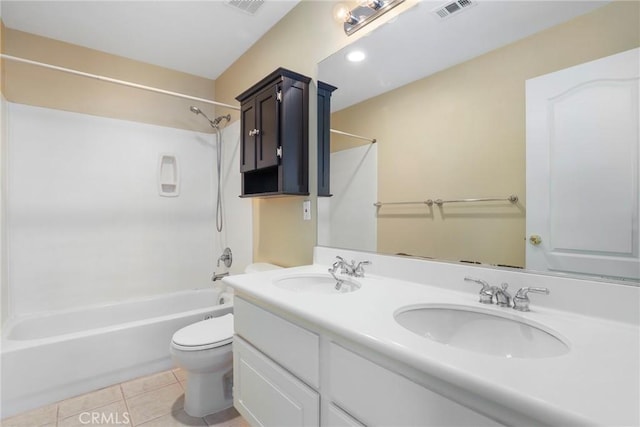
(168, 176)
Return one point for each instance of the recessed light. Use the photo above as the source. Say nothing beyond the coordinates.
(356, 56)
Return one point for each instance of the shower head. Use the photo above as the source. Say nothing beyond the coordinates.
(213, 123)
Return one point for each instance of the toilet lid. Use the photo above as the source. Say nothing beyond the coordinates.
(204, 334)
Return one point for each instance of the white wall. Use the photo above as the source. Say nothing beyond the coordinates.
(237, 232)
(85, 222)
(348, 219)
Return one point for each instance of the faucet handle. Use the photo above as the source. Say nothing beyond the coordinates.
(359, 269)
(521, 300)
(486, 294)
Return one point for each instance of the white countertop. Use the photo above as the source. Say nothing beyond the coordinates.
(596, 383)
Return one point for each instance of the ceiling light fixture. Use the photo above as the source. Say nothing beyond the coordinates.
(364, 13)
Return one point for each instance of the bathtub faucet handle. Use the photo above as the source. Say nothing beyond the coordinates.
(226, 258)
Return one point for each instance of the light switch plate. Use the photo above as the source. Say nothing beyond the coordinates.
(306, 210)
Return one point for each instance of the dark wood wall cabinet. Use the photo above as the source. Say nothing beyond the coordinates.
(324, 138)
(274, 138)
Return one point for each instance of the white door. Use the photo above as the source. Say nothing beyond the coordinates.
(582, 168)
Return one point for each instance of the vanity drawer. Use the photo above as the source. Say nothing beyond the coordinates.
(377, 396)
(293, 347)
(267, 395)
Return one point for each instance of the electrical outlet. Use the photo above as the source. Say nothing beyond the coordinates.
(306, 210)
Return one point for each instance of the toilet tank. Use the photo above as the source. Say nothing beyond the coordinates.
(261, 266)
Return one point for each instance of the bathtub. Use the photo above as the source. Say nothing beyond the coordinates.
(53, 356)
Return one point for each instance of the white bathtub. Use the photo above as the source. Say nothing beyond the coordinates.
(53, 356)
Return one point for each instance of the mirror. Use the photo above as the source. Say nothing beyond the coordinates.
(445, 99)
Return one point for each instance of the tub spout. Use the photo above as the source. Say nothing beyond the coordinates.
(219, 276)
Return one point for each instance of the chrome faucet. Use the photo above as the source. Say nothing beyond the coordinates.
(521, 300)
(502, 297)
(334, 269)
(350, 269)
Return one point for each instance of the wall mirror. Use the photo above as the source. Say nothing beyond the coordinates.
(445, 98)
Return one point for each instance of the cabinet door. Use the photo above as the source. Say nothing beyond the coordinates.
(377, 396)
(267, 395)
(268, 118)
(247, 140)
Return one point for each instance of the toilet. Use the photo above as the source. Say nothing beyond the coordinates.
(203, 350)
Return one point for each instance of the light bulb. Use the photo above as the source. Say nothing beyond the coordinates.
(340, 12)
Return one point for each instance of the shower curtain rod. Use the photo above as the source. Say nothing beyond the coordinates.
(371, 140)
(116, 81)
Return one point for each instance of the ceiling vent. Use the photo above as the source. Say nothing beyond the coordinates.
(249, 6)
(453, 8)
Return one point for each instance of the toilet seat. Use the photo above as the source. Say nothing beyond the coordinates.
(205, 334)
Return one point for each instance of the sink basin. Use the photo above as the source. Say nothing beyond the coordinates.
(482, 331)
(316, 283)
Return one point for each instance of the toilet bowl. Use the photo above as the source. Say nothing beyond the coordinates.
(203, 350)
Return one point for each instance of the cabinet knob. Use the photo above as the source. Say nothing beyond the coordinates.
(254, 132)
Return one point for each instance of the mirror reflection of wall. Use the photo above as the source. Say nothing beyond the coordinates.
(354, 177)
(460, 133)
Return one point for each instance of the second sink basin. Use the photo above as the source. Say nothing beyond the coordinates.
(481, 331)
(316, 283)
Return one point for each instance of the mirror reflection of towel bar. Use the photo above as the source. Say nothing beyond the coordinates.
(512, 198)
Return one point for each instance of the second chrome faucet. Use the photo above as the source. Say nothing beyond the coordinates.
(489, 294)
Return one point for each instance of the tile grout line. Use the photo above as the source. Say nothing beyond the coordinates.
(126, 406)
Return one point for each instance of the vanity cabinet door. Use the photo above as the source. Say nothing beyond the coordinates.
(267, 395)
(336, 417)
(293, 347)
(377, 396)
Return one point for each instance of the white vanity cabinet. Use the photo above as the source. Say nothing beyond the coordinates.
(276, 369)
(278, 381)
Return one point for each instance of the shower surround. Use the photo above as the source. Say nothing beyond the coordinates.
(87, 233)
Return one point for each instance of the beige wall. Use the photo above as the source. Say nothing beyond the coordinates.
(28, 84)
(298, 42)
(461, 133)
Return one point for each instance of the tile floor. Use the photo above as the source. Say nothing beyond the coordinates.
(152, 401)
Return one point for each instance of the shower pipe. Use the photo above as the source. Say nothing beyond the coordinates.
(215, 124)
(116, 81)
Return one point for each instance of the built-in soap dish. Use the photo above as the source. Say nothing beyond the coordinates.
(168, 176)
